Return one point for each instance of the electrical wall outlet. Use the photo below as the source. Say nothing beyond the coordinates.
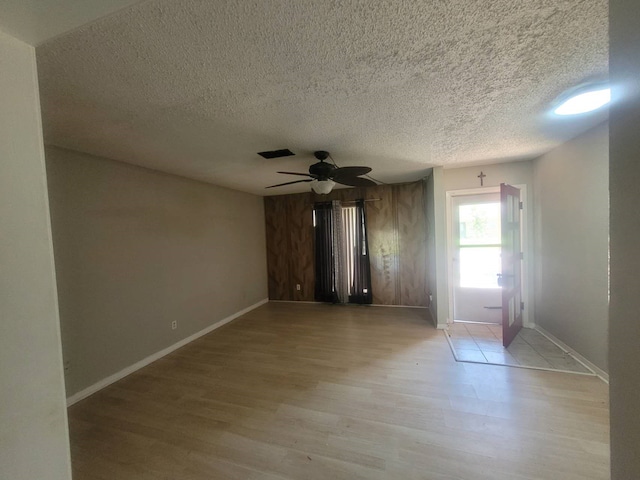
(174, 325)
(298, 286)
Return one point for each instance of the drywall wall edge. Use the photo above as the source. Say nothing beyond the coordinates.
(442, 293)
(152, 358)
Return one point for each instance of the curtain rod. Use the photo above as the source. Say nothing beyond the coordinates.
(350, 201)
(366, 200)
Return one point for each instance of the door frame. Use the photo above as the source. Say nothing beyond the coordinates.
(526, 296)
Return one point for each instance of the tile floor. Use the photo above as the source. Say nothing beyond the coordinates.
(482, 343)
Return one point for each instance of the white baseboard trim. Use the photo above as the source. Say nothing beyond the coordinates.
(445, 325)
(152, 358)
(432, 316)
(604, 376)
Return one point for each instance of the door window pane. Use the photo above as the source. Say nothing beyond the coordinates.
(479, 224)
(512, 311)
(479, 267)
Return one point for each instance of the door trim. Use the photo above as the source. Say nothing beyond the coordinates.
(527, 297)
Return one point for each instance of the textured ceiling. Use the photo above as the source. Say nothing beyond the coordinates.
(196, 88)
(34, 21)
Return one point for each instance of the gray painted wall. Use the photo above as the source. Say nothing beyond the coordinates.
(436, 247)
(512, 173)
(572, 242)
(34, 441)
(431, 247)
(624, 177)
(137, 249)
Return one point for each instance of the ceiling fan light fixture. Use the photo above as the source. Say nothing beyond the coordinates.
(323, 187)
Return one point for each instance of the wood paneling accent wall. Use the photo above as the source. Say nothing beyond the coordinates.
(397, 242)
(289, 232)
(412, 244)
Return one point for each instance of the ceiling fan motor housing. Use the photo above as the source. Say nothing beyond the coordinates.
(322, 170)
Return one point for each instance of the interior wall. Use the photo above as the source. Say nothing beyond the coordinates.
(289, 239)
(437, 247)
(513, 173)
(624, 180)
(430, 213)
(572, 243)
(34, 439)
(136, 250)
(396, 227)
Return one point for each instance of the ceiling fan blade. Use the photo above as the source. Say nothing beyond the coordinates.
(289, 183)
(300, 174)
(355, 181)
(350, 171)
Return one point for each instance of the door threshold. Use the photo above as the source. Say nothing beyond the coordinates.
(477, 323)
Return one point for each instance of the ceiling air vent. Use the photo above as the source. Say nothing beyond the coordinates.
(276, 153)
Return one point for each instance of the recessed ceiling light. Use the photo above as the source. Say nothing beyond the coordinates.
(584, 102)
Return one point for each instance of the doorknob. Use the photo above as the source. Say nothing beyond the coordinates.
(501, 277)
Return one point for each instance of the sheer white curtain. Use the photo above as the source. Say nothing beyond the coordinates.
(339, 260)
(349, 245)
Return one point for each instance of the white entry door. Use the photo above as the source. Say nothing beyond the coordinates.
(512, 256)
(476, 261)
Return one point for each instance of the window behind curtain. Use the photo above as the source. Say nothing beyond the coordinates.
(355, 279)
(349, 244)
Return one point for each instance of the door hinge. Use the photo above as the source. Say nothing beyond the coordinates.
(521, 255)
(521, 305)
(521, 206)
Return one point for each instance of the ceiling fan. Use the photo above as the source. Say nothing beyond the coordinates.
(325, 175)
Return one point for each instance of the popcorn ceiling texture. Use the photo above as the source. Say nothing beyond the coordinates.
(196, 88)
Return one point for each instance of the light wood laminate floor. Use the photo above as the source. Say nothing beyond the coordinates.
(304, 391)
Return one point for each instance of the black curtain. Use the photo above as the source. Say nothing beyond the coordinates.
(361, 287)
(325, 289)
